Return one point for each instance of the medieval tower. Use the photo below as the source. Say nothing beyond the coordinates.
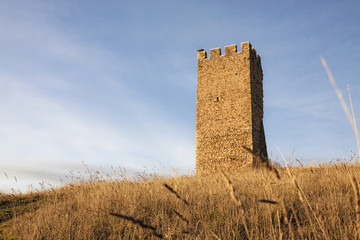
(229, 109)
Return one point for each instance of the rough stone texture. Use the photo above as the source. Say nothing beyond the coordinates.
(229, 109)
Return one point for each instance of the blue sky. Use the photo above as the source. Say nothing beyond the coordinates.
(113, 83)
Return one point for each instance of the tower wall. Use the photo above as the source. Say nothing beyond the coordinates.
(229, 109)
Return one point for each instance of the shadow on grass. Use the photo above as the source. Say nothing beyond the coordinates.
(11, 206)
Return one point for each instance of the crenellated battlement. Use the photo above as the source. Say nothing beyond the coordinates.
(245, 48)
(215, 52)
(230, 50)
(201, 54)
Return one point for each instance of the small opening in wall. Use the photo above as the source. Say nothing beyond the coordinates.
(217, 99)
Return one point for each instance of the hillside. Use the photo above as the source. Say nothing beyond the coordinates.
(305, 203)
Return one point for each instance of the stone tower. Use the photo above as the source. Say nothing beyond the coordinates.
(229, 109)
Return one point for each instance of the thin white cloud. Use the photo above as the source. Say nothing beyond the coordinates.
(36, 128)
(42, 135)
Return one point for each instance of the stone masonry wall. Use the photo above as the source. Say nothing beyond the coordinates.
(229, 109)
(256, 75)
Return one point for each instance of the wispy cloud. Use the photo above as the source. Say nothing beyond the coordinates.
(69, 102)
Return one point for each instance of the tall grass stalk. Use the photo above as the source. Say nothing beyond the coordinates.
(303, 198)
(350, 116)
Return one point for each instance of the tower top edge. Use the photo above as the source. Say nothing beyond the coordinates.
(245, 47)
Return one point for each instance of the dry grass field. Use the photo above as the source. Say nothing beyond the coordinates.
(319, 202)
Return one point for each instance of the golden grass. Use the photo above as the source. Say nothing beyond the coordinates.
(321, 204)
